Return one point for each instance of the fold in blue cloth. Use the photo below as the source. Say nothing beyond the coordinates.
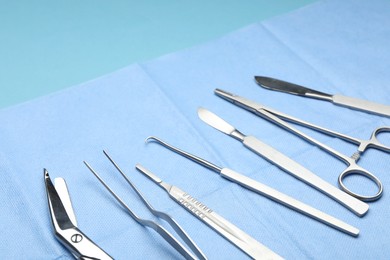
(332, 46)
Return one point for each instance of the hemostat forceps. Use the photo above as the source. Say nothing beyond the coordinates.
(151, 224)
(65, 224)
(276, 117)
(265, 190)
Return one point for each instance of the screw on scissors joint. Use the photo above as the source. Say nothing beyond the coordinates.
(76, 238)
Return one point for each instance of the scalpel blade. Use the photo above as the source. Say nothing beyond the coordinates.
(354, 103)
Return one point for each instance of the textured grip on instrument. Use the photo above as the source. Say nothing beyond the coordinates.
(300, 172)
(361, 104)
(239, 238)
(191, 204)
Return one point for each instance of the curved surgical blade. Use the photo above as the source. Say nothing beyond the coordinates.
(340, 100)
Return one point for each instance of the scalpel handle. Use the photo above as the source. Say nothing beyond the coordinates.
(361, 104)
(289, 201)
(285, 163)
(235, 235)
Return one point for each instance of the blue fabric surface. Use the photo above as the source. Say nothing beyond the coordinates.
(332, 46)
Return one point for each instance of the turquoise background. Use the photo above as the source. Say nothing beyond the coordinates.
(50, 45)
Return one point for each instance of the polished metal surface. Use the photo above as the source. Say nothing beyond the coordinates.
(63, 193)
(66, 231)
(192, 157)
(220, 124)
(352, 168)
(226, 229)
(291, 88)
(354, 103)
(265, 190)
(175, 243)
(361, 105)
(300, 172)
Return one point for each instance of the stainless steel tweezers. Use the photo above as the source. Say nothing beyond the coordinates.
(151, 224)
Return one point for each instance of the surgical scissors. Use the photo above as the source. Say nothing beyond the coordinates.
(65, 224)
(151, 224)
(352, 167)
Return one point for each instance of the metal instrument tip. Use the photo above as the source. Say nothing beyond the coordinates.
(151, 139)
(45, 173)
(224, 94)
(192, 157)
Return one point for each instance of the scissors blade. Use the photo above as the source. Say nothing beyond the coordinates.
(354, 103)
(66, 232)
(58, 212)
(62, 190)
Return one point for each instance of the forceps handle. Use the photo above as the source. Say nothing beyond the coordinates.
(354, 169)
(303, 174)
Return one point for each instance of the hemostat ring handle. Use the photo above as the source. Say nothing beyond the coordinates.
(353, 170)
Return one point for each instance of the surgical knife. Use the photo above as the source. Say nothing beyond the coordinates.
(354, 103)
(284, 162)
